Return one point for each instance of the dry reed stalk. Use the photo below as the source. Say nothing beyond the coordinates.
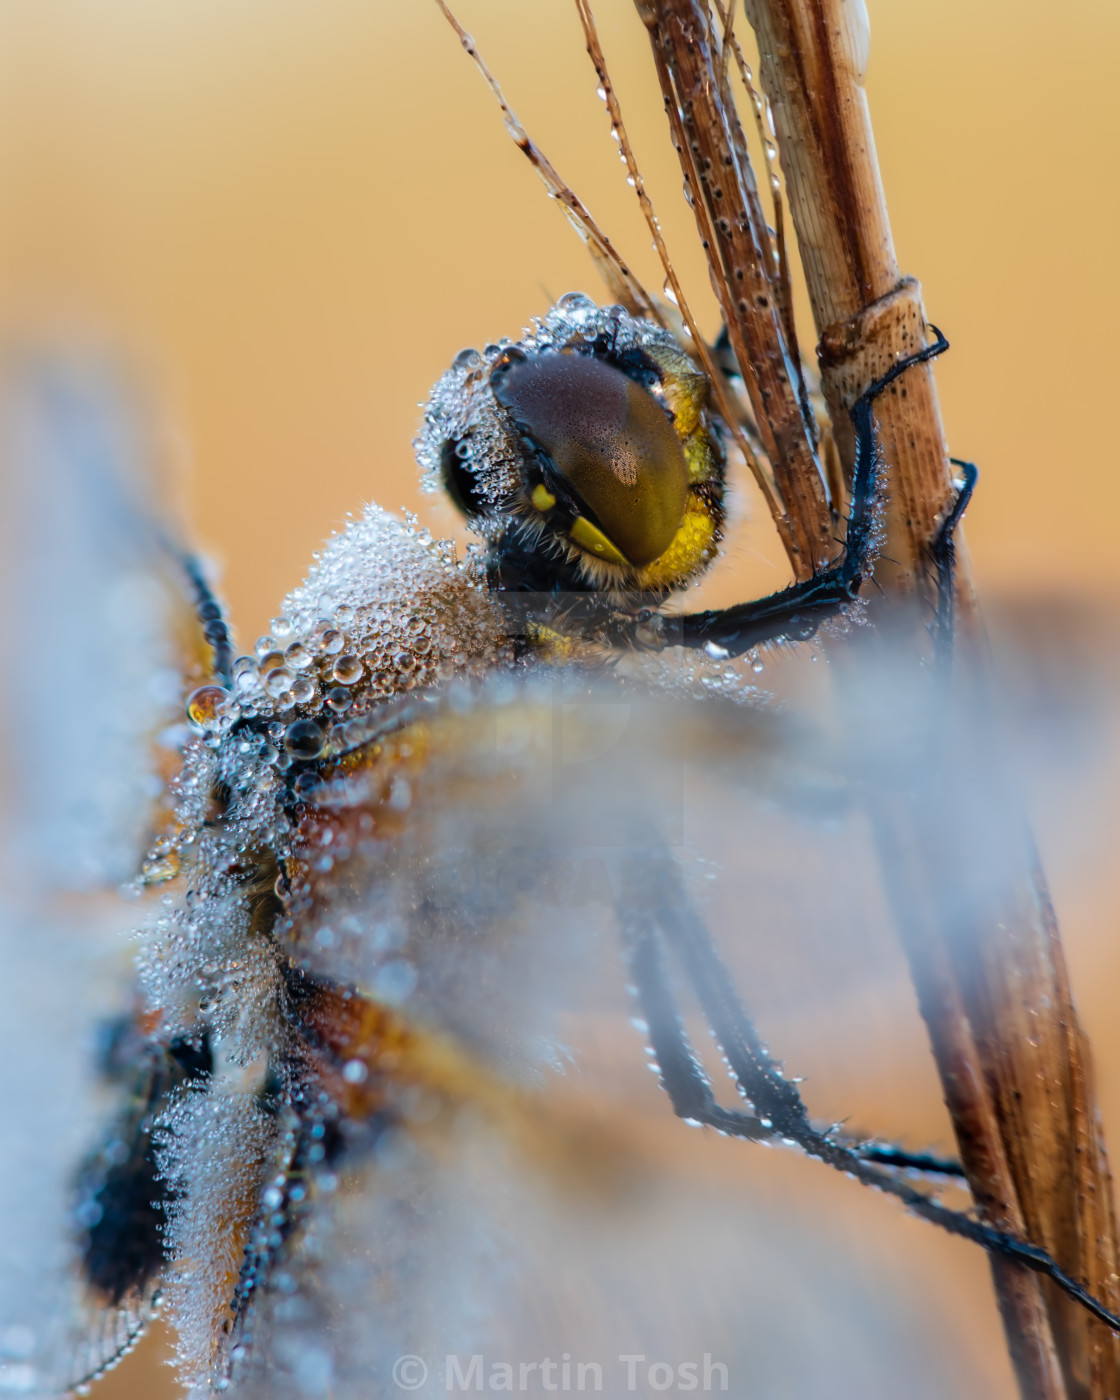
(718, 176)
(1014, 1061)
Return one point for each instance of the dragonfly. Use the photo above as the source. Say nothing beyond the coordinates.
(436, 809)
(355, 986)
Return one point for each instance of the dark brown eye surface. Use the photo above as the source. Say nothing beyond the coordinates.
(610, 441)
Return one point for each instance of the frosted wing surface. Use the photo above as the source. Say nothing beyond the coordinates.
(94, 627)
(443, 1175)
(424, 1265)
(62, 976)
(91, 698)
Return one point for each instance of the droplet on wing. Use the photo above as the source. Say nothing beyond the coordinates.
(303, 739)
(206, 705)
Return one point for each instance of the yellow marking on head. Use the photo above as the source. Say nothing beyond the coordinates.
(591, 538)
(542, 498)
(701, 459)
(692, 547)
(685, 392)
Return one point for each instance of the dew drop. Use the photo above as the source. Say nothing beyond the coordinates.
(576, 305)
(278, 681)
(206, 705)
(347, 669)
(306, 785)
(304, 739)
(303, 690)
(400, 794)
(395, 981)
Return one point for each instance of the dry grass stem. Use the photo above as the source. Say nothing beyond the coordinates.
(812, 58)
(619, 279)
(1014, 1062)
(764, 125)
(725, 201)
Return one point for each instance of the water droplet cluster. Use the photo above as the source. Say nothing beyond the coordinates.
(385, 611)
(214, 1150)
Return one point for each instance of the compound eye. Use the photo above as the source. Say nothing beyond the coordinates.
(612, 445)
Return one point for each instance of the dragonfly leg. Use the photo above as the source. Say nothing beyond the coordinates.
(211, 619)
(796, 612)
(779, 1105)
(943, 552)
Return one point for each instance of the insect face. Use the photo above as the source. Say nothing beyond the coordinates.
(583, 454)
(605, 444)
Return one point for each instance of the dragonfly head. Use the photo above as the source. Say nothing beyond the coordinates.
(583, 454)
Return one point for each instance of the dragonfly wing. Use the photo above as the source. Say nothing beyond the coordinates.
(493, 1179)
(99, 625)
(100, 640)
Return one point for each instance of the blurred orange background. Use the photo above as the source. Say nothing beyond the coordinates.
(291, 215)
(296, 214)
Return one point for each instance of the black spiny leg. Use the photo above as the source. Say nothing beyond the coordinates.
(887, 1155)
(682, 1077)
(944, 555)
(778, 1103)
(796, 612)
(209, 611)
